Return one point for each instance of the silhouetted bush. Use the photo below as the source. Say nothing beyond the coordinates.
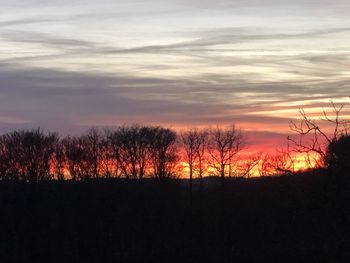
(338, 155)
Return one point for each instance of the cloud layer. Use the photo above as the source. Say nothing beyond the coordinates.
(67, 66)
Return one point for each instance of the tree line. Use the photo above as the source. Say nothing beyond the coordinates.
(137, 152)
(129, 151)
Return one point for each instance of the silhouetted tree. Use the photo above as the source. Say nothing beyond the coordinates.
(73, 154)
(145, 135)
(7, 162)
(316, 134)
(194, 142)
(264, 166)
(115, 147)
(280, 163)
(200, 150)
(27, 154)
(84, 155)
(249, 163)
(283, 162)
(224, 144)
(163, 152)
(59, 160)
(132, 147)
(188, 142)
(108, 160)
(92, 146)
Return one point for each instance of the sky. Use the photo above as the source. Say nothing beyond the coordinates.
(69, 65)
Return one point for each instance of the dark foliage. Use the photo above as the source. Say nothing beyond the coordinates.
(282, 219)
(338, 155)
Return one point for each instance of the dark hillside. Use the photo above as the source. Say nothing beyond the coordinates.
(286, 219)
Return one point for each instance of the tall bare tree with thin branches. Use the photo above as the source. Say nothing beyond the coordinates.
(194, 142)
(313, 136)
(224, 144)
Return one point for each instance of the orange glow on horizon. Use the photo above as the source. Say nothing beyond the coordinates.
(297, 163)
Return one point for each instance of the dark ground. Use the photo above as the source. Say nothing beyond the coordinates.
(286, 219)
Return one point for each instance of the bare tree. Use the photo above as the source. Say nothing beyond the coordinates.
(143, 153)
(193, 142)
(74, 154)
(282, 164)
(8, 169)
(59, 160)
(188, 142)
(163, 152)
(132, 147)
(115, 148)
(125, 138)
(313, 136)
(265, 166)
(92, 145)
(28, 154)
(200, 149)
(249, 163)
(283, 161)
(108, 160)
(224, 145)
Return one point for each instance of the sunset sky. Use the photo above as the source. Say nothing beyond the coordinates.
(69, 65)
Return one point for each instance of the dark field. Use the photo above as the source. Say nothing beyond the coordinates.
(286, 219)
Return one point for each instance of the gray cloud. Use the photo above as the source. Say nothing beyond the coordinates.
(225, 36)
(44, 39)
(25, 21)
(66, 66)
(65, 100)
(203, 53)
(206, 40)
